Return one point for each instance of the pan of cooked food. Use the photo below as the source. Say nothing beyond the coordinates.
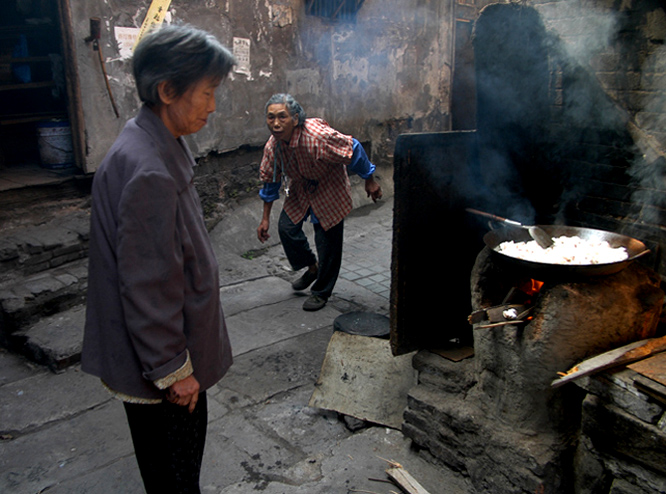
(576, 252)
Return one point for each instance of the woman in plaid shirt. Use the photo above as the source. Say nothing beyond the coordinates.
(311, 160)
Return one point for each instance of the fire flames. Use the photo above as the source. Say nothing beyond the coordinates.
(531, 287)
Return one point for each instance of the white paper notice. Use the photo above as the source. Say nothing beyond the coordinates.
(126, 38)
(241, 51)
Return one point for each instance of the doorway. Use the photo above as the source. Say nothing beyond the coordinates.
(36, 138)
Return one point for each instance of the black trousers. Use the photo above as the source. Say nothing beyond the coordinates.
(329, 250)
(169, 445)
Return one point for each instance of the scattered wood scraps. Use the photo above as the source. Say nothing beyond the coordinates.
(398, 476)
(404, 479)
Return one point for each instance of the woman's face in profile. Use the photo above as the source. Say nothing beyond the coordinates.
(188, 113)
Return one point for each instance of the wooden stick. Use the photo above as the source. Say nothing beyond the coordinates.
(106, 78)
(405, 481)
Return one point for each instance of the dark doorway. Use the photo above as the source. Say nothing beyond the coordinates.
(40, 142)
(33, 92)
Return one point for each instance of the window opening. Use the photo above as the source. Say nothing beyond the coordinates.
(333, 9)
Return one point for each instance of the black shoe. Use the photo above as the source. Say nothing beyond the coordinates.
(305, 281)
(314, 302)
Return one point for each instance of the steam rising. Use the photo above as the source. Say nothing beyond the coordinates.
(591, 96)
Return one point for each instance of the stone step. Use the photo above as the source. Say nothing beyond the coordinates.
(30, 249)
(53, 341)
(25, 300)
(443, 373)
(43, 280)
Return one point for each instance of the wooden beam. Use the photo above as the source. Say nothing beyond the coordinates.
(75, 105)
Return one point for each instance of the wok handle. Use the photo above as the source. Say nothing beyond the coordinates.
(493, 216)
(640, 254)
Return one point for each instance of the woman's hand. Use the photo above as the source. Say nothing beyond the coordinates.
(184, 393)
(373, 189)
(262, 231)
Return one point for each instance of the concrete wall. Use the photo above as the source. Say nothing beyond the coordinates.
(385, 72)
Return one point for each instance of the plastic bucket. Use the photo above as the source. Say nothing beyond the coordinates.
(54, 139)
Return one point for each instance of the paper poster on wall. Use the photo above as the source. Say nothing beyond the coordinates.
(241, 50)
(154, 17)
(126, 38)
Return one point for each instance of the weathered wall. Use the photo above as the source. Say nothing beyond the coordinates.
(386, 72)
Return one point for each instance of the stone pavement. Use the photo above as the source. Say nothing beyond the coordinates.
(63, 433)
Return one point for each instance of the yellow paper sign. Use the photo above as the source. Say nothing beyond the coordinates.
(154, 17)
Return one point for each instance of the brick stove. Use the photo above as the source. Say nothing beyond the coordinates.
(495, 416)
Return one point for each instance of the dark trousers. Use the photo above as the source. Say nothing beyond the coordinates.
(169, 445)
(298, 252)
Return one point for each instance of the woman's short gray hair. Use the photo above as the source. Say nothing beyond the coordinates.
(293, 107)
(180, 54)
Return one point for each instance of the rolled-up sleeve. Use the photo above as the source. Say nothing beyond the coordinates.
(360, 163)
(270, 191)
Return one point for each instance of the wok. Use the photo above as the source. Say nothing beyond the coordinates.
(546, 271)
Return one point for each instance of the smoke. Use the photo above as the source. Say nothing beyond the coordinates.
(584, 32)
(512, 76)
(557, 86)
(624, 57)
(605, 101)
(649, 170)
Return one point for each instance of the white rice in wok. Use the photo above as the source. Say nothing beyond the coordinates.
(565, 250)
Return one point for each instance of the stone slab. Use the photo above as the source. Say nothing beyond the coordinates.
(55, 341)
(15, 367)
(271, 370)
(357, 464)
(239, 450)
(69, 437)
(245, 296)
(632, 438)
(237, 232)
(268, 324)
(73, 453)
(120, 476)
(236, 269)
(618, 387)
(360, 377)
(46, 397)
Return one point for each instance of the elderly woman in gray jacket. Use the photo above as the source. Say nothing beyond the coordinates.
(155, 333)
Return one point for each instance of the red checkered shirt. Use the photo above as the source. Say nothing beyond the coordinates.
(315, 163)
